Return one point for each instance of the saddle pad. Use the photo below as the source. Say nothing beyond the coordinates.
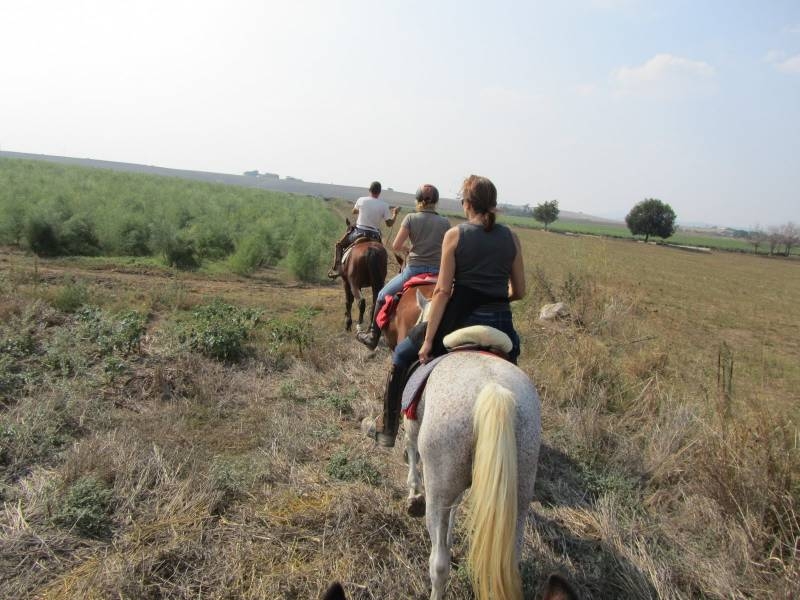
(479, 335)
(358, 240)
(390, 302)
(415, 385)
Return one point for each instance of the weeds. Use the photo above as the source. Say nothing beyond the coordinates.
(341, 466)
(295, 331)
(70, 297)
(220, 330)
(87, 508)
(343, 403)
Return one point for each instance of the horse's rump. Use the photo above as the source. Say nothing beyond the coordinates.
(365, 264)
(508, 440)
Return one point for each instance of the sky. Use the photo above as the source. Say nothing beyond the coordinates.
(596, 103)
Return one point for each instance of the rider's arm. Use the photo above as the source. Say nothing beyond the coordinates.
(399, 243)
(441, 295)
(516, 283)
(390, 220)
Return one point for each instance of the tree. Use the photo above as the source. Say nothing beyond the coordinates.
(546, 212)
(756, 237)
(774, 239)
(790, 236)
(651, 217)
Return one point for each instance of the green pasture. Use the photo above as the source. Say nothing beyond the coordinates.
(618, 231)
(57, 210)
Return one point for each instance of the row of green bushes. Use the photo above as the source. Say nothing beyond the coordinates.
(58, 210)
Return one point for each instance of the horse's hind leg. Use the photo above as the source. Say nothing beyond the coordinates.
(362, 306)
(415, 504)
(348, 306)
(437, 518)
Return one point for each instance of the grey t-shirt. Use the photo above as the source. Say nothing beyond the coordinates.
(426, 231)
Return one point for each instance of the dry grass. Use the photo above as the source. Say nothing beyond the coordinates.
(654, 481)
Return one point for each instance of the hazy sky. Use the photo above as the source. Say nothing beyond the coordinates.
(598, 103)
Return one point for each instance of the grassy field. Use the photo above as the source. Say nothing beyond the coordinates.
(620, 231)
(170, 434)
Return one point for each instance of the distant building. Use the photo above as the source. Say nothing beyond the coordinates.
(251, 173)
(288, 178)
(269, 176)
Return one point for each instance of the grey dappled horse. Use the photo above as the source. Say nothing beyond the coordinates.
(478, 427)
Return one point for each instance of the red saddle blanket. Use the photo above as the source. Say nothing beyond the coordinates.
(390, 303)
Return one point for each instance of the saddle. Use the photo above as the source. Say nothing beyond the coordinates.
(475, 338)
(358, 240)
(390, 302)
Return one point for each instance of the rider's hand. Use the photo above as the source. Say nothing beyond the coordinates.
(425, 352)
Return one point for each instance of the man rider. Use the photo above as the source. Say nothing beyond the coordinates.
(371, 211)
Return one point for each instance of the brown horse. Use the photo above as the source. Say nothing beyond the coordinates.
(364, 266)
(405, 315)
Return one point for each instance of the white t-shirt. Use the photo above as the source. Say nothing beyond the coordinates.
(372, 212)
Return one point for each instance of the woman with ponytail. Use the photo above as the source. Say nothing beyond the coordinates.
(480, 273)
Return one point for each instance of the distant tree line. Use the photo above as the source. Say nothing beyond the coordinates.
(59, 210)
(779, 239)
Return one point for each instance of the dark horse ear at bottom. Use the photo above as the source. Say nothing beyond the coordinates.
(558, 588)
(335, 592)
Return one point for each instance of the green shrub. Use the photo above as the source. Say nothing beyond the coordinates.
(12, 222)
(18, 344)
(87, 508)
(41, 237)
(340, 402)
(111, 333)
(36, 431)
(70, 297)
(66, 354)
(78, 237)
(340, 466)
(257, 249)
(133, 239)
(306, 258)
(220, 330)
(127, 331)
(213, 243)
(10, 379)
(180, 252)
(296, 331)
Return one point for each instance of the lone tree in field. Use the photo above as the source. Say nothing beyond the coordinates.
(546, 212)
(651, 217)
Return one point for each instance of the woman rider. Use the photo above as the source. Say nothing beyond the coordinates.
(481, 272)
(424, 229)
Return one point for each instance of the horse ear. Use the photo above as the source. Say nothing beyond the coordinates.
(335, 592)
(346, 220)
(422, 301)
(558, 588)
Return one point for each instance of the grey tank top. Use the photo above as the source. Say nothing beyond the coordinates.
(426, 231)
(484, 258)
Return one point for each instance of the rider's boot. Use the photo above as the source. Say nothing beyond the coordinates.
(384, 429)
(370, 337)
(334, 271)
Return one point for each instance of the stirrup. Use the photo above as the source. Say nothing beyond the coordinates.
(369, 339)
(333, 273)
(370, 429)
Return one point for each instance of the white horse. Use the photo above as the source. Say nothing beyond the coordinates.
(478, 427)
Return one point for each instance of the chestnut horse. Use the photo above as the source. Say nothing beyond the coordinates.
(363, 266)
(406, 314)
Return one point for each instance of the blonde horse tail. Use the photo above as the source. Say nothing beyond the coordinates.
(492, 501)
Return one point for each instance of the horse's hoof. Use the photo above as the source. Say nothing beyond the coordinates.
(416, 506)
